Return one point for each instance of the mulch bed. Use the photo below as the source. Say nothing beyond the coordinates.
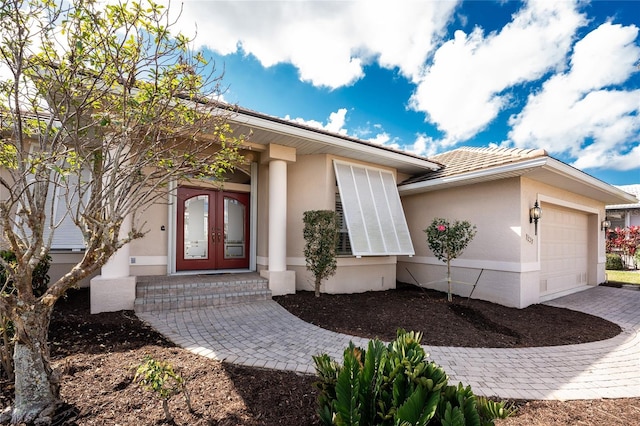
(463, 322)
(97, 355)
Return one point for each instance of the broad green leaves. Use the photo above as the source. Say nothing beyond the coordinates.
(396, 385)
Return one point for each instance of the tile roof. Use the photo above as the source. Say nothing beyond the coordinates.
(630, 189)
(469, 159)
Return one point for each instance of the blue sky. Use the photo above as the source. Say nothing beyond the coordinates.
(428, 77)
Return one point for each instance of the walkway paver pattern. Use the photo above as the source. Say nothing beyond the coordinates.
(263, 334)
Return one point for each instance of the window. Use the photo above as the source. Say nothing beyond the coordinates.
(344, 244)
(62, 201)
(372, 211)
(66, 200)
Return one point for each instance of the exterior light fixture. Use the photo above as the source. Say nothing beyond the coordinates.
(605, 224)
(535, 213)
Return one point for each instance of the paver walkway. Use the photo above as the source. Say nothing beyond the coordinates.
(263, 334)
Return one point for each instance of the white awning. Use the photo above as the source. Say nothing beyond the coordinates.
(372, 211)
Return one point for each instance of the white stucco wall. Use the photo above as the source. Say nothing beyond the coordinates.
(353, 276)
(506, 245)
(62, 262)
(312, 186)
(494, 208)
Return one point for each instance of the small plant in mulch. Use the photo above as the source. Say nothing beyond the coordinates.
(161, 378)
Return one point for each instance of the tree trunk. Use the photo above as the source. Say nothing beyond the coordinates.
(6, 351)
(318, 282)
(37, 389)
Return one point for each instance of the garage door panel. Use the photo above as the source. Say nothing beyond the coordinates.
(564, 249)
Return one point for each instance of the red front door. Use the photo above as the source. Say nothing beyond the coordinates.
(212, 230)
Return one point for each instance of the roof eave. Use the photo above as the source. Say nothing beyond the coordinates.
(405, 162)
(476, 176)
(596, 188)
(544, 169)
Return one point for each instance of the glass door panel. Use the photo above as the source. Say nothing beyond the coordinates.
(234, 229)
(196, 226)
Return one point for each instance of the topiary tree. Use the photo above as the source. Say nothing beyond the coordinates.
(321, 238)
(448, 240)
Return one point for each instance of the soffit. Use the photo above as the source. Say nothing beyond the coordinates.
(264, 130)
(630, 189)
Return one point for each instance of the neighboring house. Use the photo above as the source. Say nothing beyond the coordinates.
(255, 222)
(625, 215)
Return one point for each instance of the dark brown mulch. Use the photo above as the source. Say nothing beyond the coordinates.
(463, 322)
(98, 353)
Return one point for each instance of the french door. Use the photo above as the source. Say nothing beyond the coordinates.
(212, 230)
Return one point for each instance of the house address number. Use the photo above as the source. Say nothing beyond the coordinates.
(529, 239)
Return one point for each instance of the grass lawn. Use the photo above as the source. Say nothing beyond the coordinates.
(625, 277)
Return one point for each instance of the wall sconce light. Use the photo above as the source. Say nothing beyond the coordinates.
(535, 213)
(606, 224)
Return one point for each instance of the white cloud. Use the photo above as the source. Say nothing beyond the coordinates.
(335, 123)
(380, 139)
(426, 146)
(328, 42)
(464, 89)
(584, 112)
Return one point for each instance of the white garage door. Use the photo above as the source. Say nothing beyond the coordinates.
(564, 249)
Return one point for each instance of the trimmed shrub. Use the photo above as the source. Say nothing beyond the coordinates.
(614, 262)
(321, 239)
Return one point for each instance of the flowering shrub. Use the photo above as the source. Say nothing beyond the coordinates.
(624, 241)
(448, 240)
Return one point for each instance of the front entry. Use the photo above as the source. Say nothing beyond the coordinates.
(212, 230)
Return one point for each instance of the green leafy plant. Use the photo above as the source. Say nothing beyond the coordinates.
(160, 377)
(321, 238)
(395, 385)
(614, 262)
(448, 240)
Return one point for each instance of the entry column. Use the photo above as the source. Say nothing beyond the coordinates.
(281, 281)
(115, 288)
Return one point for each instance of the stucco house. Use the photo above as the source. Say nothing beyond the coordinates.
(385, 199)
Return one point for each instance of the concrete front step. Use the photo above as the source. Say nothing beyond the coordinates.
(159, 293)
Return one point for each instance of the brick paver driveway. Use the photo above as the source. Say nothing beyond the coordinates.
(263, 334)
